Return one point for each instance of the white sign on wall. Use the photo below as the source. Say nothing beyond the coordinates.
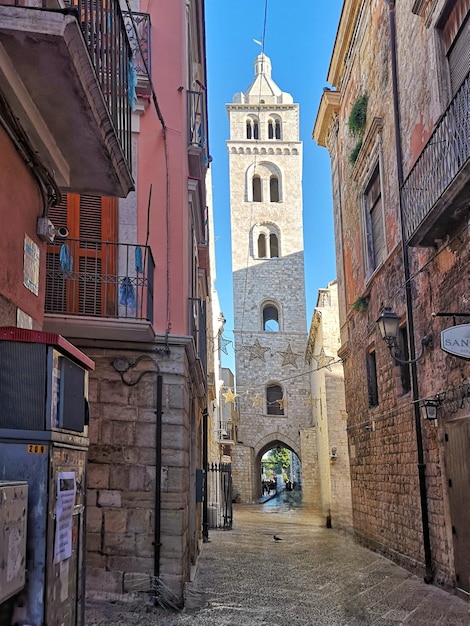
(456, 340)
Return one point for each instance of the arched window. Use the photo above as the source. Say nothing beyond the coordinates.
(256, 188)
(273, 246)
(277, 130)
(262, 246)
(274, 404)
(248, 129)
(255, 129)
(270, 319)
(270, 130)
(274, 189)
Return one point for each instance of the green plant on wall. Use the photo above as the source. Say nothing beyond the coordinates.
(357, 124)
(361, 304)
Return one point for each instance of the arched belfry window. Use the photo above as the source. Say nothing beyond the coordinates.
(252, 128)
(274, 189)
(262, 246)
(270, 318)
(274, 400)
(273, 246)
(277, 129)
(256, 182)
(270, 130)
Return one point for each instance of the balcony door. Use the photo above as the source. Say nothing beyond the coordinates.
(81, 268)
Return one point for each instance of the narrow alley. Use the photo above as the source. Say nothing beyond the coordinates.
(311, 576)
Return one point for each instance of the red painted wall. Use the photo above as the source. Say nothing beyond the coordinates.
(20, 206)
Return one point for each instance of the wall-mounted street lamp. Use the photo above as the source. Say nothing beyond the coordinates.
(389, 326)
(430, 408)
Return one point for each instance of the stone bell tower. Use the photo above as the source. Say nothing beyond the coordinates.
(270, 334)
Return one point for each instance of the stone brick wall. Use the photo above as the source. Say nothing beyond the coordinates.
(383, 440)
(121, 484)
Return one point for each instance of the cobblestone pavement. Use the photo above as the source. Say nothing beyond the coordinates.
(313, 576)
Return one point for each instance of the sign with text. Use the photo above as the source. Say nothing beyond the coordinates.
(456, 340)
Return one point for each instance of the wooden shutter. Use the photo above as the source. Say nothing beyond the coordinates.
(91, 287)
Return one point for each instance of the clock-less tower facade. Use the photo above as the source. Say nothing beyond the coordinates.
(272, 384)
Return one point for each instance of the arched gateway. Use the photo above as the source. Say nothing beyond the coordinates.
(270, 329)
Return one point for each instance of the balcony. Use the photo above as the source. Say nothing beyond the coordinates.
(65, 74)
(198, 330)
(99, 289)
(197, 135)
(226, 432)
(138, 32)
(435, 193)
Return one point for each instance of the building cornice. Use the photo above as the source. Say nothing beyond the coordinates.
(329, 106)
(344, 35)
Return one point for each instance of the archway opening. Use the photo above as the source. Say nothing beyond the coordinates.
(280, 474)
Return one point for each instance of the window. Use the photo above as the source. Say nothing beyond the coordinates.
(372, 379)
(262, 246)
(273, 246)
(274, 189)
(374, 222)
(274, 404)
(252, 129)
(455, 35)
(404, 355)
(277, 131)
(271, 318)
(256, 188)
(270, 130)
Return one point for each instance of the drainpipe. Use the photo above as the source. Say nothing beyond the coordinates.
(428, 578)
(158, 479)
(205, 465)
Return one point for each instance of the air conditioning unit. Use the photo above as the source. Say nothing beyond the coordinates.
(45, 229)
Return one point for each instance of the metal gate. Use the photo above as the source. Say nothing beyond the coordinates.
(219, 479)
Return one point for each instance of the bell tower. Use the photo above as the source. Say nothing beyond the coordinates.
(270, 330)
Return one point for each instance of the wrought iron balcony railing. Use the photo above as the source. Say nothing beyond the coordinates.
(105, 34)
(198, 329)
(445, 155)
(197, 122)
(101, 279)
(140, 42)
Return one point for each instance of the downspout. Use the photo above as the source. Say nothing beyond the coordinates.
(158, 479)
(428, 578)
(205, 465)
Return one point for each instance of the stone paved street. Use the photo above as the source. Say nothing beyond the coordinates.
(314, 576)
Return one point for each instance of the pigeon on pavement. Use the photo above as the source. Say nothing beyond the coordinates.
(276, 538)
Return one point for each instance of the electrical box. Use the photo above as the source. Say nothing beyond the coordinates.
(13, 516)
(43, 442)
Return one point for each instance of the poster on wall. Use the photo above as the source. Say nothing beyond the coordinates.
(31, 265)
(64, 516)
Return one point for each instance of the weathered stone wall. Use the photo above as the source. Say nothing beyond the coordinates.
(383, 440)
(121, 490)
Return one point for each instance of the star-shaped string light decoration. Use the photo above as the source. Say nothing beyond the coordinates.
(323, 360)
(289, 357)
(229, 396)
(223, 343)
(311, 402)
(258, 401)
(257, 351)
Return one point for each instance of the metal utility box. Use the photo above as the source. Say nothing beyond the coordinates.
(13, 514)
(44, 442)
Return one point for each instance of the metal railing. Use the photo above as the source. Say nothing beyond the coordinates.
(219, 486)
(140, 45)
(443, 157)
(197, 328)
(197, 122)
(105, 34)
(101, 279)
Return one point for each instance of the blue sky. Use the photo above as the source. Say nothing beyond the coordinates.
(299, 38)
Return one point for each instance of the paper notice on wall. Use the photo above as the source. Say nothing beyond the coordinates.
(64, 514)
